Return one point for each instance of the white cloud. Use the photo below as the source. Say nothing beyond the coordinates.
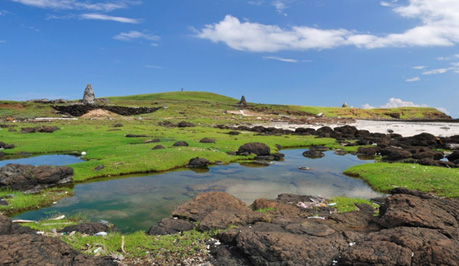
(394, 103)
(136, 35)
(419, 67)
(367, 106)
(4, 12)
(441, 109)
(436, 71)
(280, 5)
(288, 60)
(74, 4)
(439, 27)
(413, 79)
(110, 18)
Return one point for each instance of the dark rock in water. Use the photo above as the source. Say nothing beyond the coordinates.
(453, 156)
(99, 167)
(180, 143)
(31, 178)
(87, 228)
(313, 154)
(136, 136)
(158, 147)
(264, 158)
(256, 148)
(278, 156)
(88, 96)
(169, 226)
(207, 140)
(27, 249)
(340, 152)
(198, 162)
(185, 124)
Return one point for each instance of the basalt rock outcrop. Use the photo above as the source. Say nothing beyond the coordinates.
(413, 228)
(31, 179)
(22, 246)
(80, 109)
(41, 129)
(256, 148)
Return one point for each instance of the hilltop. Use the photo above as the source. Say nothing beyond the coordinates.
(209, 108)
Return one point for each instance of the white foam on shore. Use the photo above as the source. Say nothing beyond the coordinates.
(406, 129)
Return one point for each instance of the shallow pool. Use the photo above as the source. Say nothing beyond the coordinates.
(55, 159)
(136, 203)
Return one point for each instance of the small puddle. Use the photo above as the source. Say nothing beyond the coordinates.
(136, 203)
(55, 159)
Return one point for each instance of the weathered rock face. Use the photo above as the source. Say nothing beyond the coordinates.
(31, 178)
(198, 162)
(27, 249)
(256, 148)
(413, 228)
(168, 226)
(88, 96)
(20, 245)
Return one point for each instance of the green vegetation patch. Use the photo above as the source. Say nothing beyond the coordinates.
(384, 177)
(344, 204)
(165, 250)
(19, 202)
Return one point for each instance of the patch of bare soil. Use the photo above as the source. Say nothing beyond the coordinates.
(99, 114)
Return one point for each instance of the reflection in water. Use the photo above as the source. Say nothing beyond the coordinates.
(138, 202)
(56, 159)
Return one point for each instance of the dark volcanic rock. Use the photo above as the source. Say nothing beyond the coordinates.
(31, 178)
(185, 124)
(87, 228)
(394, 154)
(42, 129)
(453, 156)
(5, 146)
(155, 140)
(205, 203)
(180, 143)
(136, 136)
(168, 226)
(158, 147)
(435, 155)
(207, 140)
(256, 148)
(313, 154)
(198, 162)
(99, 167)
(318, 148)
(27, 249)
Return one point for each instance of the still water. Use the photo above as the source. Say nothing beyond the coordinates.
(136, 203)
(55, 159)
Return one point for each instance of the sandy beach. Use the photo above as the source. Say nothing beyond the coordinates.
(406, 129)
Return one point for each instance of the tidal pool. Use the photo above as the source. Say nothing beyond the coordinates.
(55, 159)
(136, 203)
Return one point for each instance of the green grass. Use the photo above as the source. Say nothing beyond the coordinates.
(122, 155)
(384, 177)
(139, 245)
(22, 202)
(344, 204)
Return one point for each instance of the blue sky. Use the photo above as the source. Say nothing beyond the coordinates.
(368, 53)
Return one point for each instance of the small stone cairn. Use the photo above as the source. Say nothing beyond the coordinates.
(88, 96)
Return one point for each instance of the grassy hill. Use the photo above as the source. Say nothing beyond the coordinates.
(209, 107)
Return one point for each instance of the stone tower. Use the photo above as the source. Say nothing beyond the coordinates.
(88, 96)
(242, 102)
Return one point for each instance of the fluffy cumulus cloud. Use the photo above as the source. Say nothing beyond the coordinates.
(394, 103)
(439, 26)
(136, 35)
(97, 16)
(74, 4)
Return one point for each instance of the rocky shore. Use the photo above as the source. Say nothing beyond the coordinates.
(412, 228)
